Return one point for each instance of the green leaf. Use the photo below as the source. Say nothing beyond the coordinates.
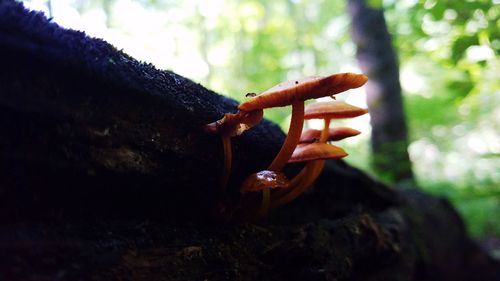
(459, 89)
(438, 10)
(460, 46)
(376, 4)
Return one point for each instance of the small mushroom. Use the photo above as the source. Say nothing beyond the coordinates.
(229, 126)
(331, 110)
(234, 124)
(334, 134)
(316, 151)
(264, 181)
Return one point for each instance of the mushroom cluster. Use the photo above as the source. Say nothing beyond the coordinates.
(310, 147)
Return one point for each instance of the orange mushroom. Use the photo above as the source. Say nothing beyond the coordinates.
(314, 154)
(307, 176)
(311, 87)
(315, 151)
(229, 126)
(295, 92)
(235, 124)
(331, 110)
(334, 134)
(327, 111)
(264, 181)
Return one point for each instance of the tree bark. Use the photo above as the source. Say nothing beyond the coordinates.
(377, 59)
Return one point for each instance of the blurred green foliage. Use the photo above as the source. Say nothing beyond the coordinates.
(449, 59)
(451, 49)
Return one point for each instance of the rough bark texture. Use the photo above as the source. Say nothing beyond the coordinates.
(377, 58)
(106, 175)
(79, 112)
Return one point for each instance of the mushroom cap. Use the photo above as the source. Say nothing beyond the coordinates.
(311, 87)
(334, 134)
(264, 180)
(316, 151)
(332, 110)
(235, 124)
(251, 119)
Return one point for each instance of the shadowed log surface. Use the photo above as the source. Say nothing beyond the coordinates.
(105, 174)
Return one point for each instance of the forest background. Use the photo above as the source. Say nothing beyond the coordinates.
(449, 65)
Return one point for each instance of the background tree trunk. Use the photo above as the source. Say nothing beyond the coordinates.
(377, 58)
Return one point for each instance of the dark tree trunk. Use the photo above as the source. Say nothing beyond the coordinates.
(377, 59)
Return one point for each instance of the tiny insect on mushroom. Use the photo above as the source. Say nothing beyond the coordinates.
(314, 154)
(334, 134)
(294, 93)
(229, 126)
(311, 87)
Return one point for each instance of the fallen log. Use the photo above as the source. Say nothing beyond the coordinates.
(105, 174)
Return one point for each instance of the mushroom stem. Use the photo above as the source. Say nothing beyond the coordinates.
(306, 177)
(292, 139)
(292, 185)
(313, 175)
(312, 171)
(316, 166)
(286, 151)
(284, 196)
(264, 207)
(226, 143)
(324, 133)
